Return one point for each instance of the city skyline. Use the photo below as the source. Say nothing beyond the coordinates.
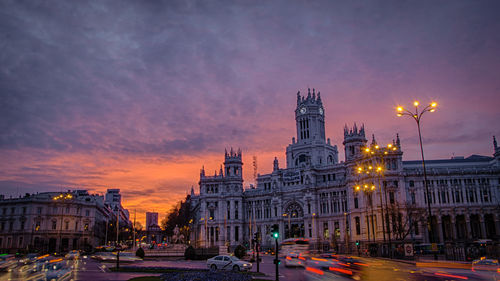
(140, 96)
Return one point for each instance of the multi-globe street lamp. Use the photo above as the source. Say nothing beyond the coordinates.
(374, 156)
(417, 116)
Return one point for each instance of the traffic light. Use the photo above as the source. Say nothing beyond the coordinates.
(357, 243)
(255, 237)
(275, 232)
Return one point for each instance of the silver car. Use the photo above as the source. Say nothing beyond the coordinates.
(228, 263)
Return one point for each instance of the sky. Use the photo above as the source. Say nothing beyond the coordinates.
(138, 95)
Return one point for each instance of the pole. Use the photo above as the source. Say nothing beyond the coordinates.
(381, 207)
(257, 244)
(276, 261)
(107, 225)
(388, 222)
(135, 213)
(117, 225)
(430, 227)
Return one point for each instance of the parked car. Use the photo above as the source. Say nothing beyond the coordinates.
(228, 263)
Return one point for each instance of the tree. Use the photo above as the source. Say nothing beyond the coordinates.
(404, 219)
(180, 215)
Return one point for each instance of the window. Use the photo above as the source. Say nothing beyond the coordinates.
(358, 226)
(24, 210)
(76, 225)
(86, 226)
(39, 210)
(54, 225)
(12, 210)
(228, 207)
(236, 211)
(391, 197)
(412, 184)
(413, 198)
(355, 202)
(22, 225)
(66, 225)
(236, 233)
(87, 213)
(11, 225)
(275, 211)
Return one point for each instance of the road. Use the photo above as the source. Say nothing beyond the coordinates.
(373, 269)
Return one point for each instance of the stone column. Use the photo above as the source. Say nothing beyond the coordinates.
(453, 227)
(496, 218)
(483, 228)
(440, 228)
(468, 235)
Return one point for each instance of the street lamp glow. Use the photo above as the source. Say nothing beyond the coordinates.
(416, 103)
(389, 145)
(399, 108)
(434, 104)
(367, 149)
(376, 146)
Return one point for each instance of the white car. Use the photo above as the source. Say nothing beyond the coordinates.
(228, 263)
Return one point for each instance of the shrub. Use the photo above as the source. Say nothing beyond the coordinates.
(240, 251)
(189, 253)
(140, 253)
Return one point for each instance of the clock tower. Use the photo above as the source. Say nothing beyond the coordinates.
(310, 148)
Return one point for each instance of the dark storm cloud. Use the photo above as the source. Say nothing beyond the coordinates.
(173, 77)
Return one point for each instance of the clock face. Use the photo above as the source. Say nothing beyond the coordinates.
(321, 111)
(303, 110)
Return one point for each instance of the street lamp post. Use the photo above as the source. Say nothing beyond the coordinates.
(417, 116)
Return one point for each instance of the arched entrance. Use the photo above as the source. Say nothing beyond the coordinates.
(294, 221)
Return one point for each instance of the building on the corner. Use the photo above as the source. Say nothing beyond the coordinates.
(57, 221)
(340, 204)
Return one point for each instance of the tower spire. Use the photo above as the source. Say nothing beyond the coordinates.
(495, 145)
(374, 142)
(298, 97)
(398, 142)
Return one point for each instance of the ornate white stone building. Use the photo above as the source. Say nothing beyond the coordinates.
(371, 197)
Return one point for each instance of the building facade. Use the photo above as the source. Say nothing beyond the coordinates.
(153, 233)
(57, 221)
(373, 198)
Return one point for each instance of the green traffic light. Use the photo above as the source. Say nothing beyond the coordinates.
(275, 235)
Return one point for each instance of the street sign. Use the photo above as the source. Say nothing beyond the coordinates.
(409, 250)
(434, 247)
